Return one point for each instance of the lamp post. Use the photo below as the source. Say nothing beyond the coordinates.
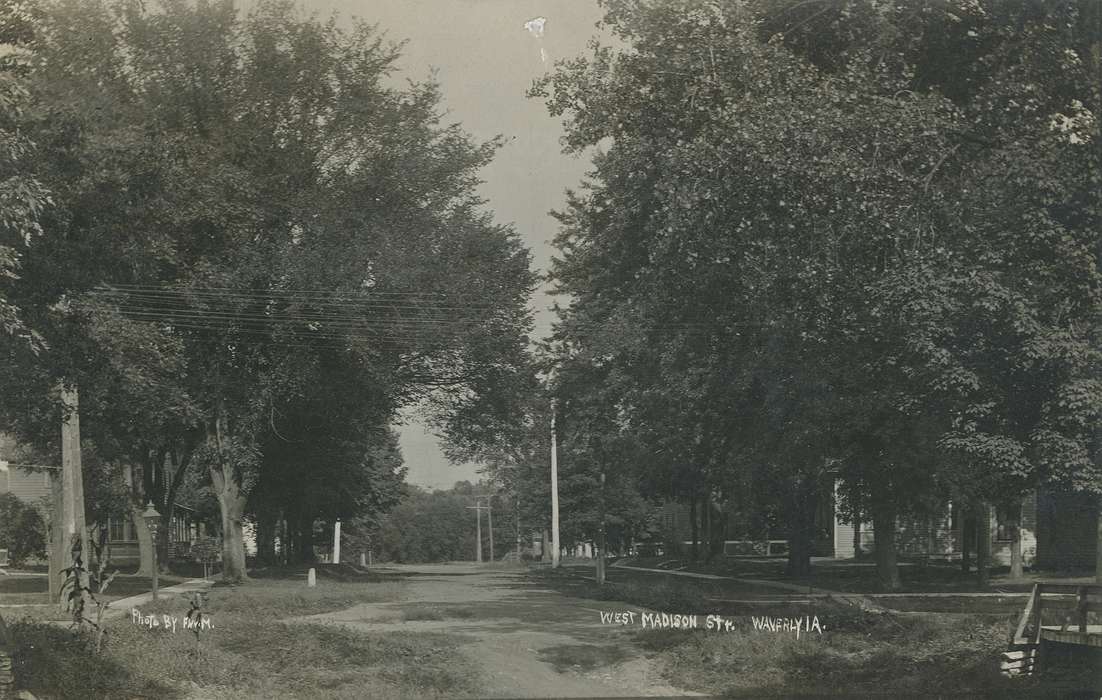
(153, 519)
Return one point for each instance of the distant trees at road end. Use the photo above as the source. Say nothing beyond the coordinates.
(438, 526)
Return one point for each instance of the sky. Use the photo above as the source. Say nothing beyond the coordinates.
(485, 60)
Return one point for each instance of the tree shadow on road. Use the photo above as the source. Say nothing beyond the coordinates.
(583, 657)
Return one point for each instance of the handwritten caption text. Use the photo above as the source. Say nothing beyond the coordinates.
(718, 623)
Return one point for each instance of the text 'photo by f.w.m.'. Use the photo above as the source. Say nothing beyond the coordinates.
(382, 349)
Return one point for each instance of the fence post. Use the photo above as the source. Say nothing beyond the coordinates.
(1037, 613)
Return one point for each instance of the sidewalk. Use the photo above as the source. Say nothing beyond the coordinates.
(794, 593)
(122, 605)
(780, 585)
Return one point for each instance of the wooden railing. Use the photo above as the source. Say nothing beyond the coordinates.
(1064, 605)
(1076, 602)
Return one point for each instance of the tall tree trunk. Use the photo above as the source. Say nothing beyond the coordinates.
(231, 503)
(306, 539)
(858, 555)
(298, 537)
(1098, 541)
(287, 538)
(602, 541)
(706, 525)
(294, 535)
(145, 540)
(883, 532)
(717, 521)
(932, 525)
(174, 466)
(265, 538)
(284, 545)
(694, 526)
(983, 544)
(967, 535)
(164, 533)
(1016, 545)
(800, 525)
(799, 549)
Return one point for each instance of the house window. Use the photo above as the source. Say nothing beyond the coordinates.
(1006, 518)
(116, 531)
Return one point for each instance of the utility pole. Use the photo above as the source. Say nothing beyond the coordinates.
(516, 503)
(490, 518)
(554, 493)
(72, 483)
(478, 530)
(477, 508)
(602, 541)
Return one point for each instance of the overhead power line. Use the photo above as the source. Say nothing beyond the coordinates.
(325, 318)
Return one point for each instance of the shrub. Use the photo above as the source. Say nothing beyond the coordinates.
(22, 530)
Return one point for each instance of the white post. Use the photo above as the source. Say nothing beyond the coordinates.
(555, 554)
(337, 542)
(490, 517)
(311, 578)
(478, 530)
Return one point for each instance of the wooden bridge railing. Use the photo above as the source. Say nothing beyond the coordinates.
(1077, 602)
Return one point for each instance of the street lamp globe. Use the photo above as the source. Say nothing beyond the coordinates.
(151, 516)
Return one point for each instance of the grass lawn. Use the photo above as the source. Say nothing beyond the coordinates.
(22, 590)
(249, 652)
(848, 576)
(858, 654)
(28, 590)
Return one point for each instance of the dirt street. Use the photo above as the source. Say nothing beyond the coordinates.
(526, 641)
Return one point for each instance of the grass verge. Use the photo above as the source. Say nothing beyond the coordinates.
(851, 576)
(29, 590)
(249, 652)
(858, 653)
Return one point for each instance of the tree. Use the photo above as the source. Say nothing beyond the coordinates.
(21, 197)
(286, 202)
(427, 526)
(779, 282)
(795, 191)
